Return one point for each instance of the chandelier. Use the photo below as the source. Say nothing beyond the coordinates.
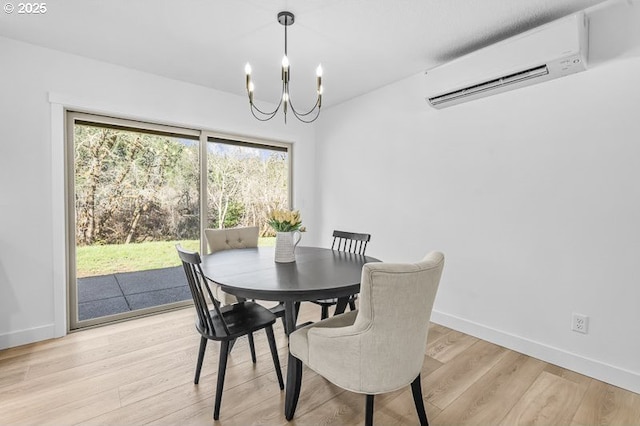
(286, 19)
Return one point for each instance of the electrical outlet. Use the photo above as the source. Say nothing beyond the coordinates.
(580, 323)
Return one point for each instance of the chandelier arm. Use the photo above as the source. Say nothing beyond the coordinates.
(272, 113)
(302, 117)
(270, 116)
(304, 120)
(254, 107)
(302, 114)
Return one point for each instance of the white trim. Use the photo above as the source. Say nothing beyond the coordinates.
(616, 376)
(30, 335)
(58, 220)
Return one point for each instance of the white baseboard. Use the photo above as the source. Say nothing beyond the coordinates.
(23, 337)
(589, 367)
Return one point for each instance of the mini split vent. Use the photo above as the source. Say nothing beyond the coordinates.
(544, 53)
(489, 86)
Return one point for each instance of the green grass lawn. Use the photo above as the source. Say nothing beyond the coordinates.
(111, 258)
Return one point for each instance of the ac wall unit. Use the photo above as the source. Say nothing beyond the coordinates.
(550, 51)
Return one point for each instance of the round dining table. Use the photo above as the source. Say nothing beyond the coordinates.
(317, 273)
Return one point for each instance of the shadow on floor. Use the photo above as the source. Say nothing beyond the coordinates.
(122, 292)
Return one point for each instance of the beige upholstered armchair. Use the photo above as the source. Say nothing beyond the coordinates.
(226, 239)
(380, 347)
(231, 238)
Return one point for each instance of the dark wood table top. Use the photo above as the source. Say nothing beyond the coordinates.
(317, 273)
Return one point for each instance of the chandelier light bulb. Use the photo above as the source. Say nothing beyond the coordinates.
(247, 70)
(319, 79)
(285, 62)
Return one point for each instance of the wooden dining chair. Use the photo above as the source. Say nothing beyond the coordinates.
(350, 242)
(224, 323)
(236, 238)
(379, 348)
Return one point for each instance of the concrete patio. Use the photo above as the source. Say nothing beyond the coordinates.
(122, 292)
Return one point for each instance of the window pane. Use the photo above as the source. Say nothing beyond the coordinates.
(136, 196)
(245, 181)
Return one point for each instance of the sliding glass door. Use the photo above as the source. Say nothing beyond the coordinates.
(135, 196)
(135, 190)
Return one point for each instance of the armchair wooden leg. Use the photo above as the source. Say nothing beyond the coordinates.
(416, 389)
(203, 346)
(294, 381)
(222, 368)
(274, 355)
(368, 415)
(252, 346)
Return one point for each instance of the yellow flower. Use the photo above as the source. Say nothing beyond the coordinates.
(282, 220)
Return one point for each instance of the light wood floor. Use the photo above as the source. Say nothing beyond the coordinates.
(141, 372)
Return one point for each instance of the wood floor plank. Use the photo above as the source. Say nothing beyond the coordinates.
(490, 398)
(109, 365)
(436, 331)
(440, 329)
(448, 382)
(345, 408)
(604, 404)
(263, 386)
(551, 400)
(398, 408)
(55, 390)
(260, 408)
(75, 410)
(12, 374)
(577, 378)
(449, 345)
(121, 347)
(158, 406)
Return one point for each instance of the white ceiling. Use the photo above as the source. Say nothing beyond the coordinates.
(362, 44)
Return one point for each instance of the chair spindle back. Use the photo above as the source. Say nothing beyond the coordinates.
(351, 242)
(198, 285)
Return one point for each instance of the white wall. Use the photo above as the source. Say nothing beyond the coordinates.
(533, 195)
(31, 218)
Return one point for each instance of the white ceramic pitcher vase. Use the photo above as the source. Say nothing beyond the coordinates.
(286, 243)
